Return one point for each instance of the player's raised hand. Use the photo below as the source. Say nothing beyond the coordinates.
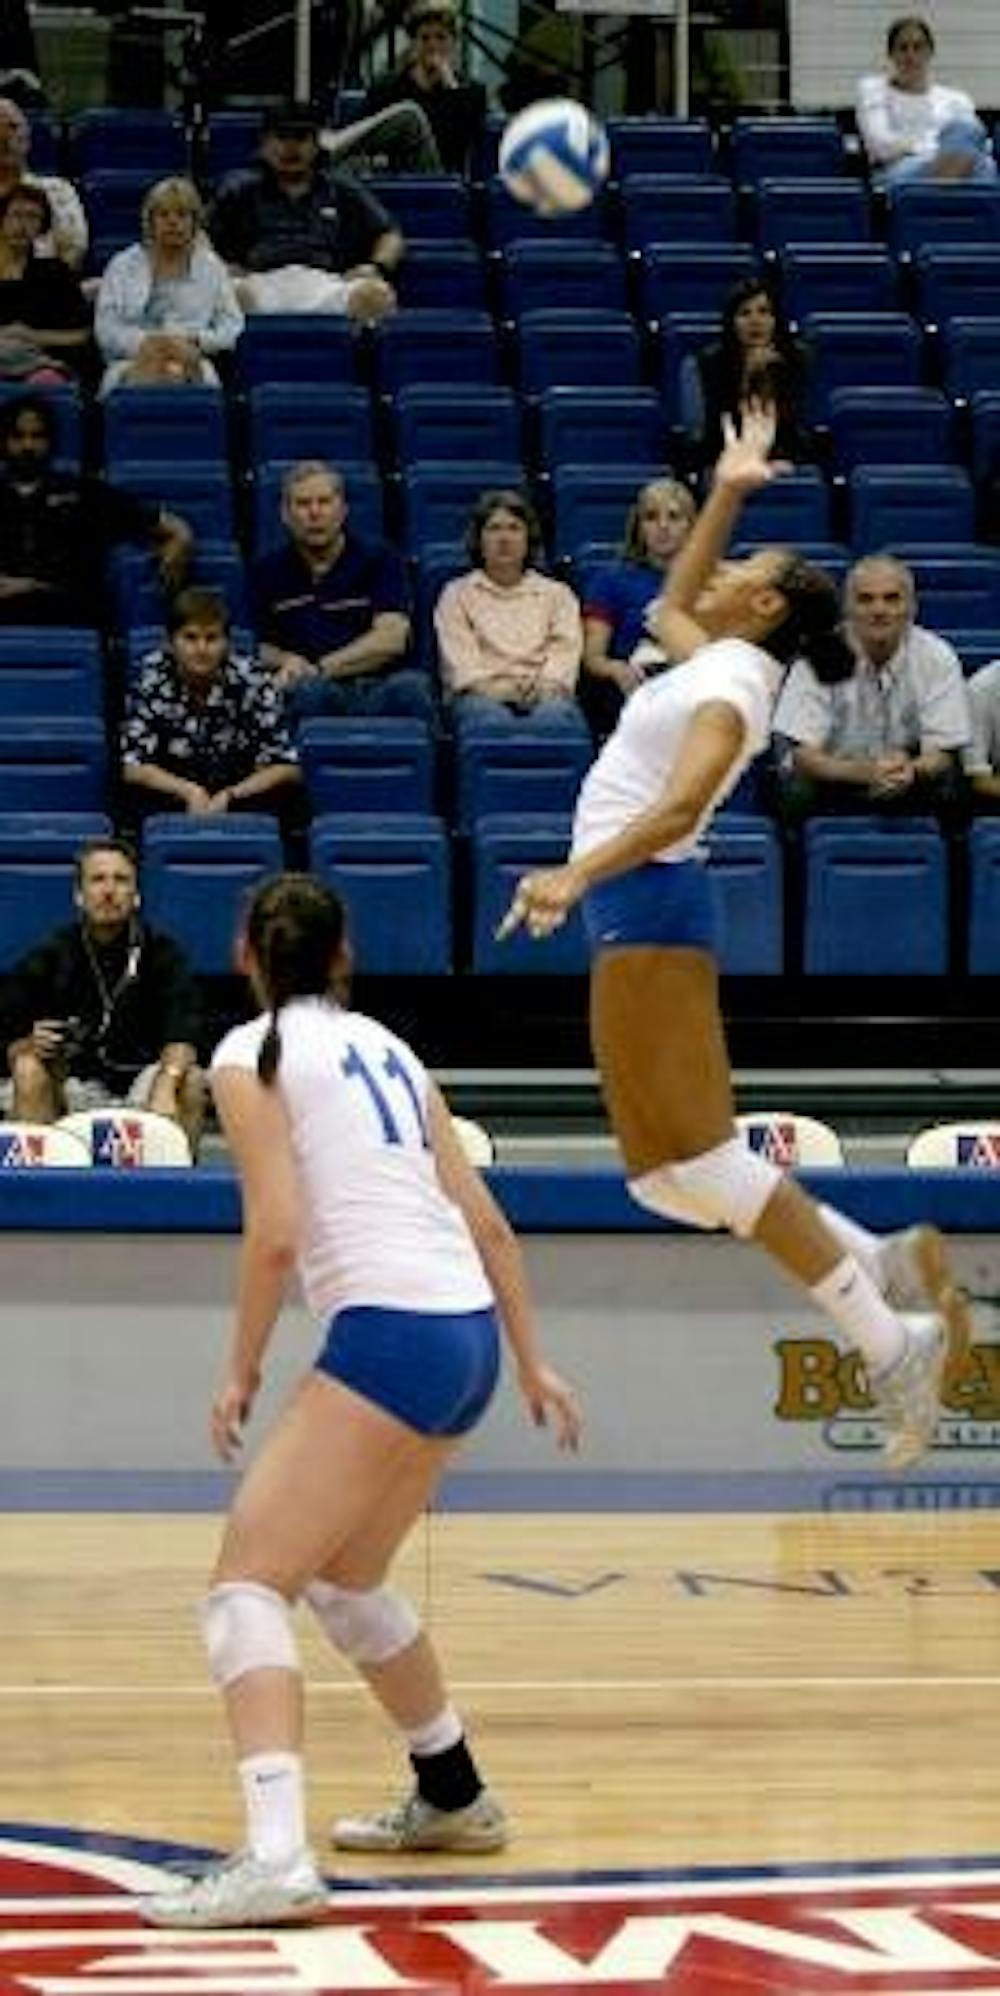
(745, 462)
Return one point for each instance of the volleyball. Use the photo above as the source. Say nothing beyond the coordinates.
(554, 156)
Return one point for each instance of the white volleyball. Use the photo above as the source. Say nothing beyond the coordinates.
(554, 156)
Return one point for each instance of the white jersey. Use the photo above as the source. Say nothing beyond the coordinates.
(376, 1226)
(638, 760)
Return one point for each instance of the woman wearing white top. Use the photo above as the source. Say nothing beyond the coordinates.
(166, 307)
(349, 1167)
(913, 129)
(679, 748)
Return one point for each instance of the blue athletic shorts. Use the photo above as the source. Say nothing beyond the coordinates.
(669, 904)
(436, 1373)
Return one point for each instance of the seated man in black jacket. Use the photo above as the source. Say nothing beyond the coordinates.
(105, 1010)
(422, 117)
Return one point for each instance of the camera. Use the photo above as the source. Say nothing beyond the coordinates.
(74, 1038)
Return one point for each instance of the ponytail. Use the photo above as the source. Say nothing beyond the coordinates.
(270, 1053)
(295, 937)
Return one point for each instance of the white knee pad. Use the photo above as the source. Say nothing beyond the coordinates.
(731, 1184)
(656, 1191)
(366, 1628)
(246, 1627)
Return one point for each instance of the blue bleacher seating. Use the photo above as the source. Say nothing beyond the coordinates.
(811, 211)
(426, 204)
(953, 213)
(958, 588)
(984, 898)
(984, 413)
(199, 493)
(148, 141)
(508, 220)
(590, 501)
(375, 766)
(432, 420)
(113, 198)
(909, 503)
(595, 425)
(677, 208)
(196, 875)
(297, 346)
(37, 854)
(793, 509)
(67, 408)
(876, 899)
(745, 863)
(438, 496)
(503, 848)
(784, 149)
(837, 277)
(53, 764)
(364, 499)
(287, 420)
(442, 275)
(679, 335)
(660, 145)
(558, 272)
(176, 423)
(231, 143)
(137, 590)
(971, 355)
(427, 345)
(394, 873)
(518, 771)
(46, 152)
(832, 556)
(958, 283)
(434, 566)
(889, 425)
(50, 670)
(585, 348)
(691, 277)
(860, 350)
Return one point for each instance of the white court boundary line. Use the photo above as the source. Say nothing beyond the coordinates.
(525, 1687)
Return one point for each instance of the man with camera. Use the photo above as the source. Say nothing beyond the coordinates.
(105, 1010)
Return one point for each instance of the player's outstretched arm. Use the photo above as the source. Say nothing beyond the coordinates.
(745, 464)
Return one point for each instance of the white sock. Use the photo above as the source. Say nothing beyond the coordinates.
(850, 1297)
(855, 1240)
(437, 1735)
(275, 1806)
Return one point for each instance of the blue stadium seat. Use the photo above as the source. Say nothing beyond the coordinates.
(180, 424)
(50, 670)
(784, 149)
(837, 277)
(113, 199)
(860, 350)
(660, 145)
(583, 349)
(432, 420)
(503, 848)
(67, 409)
(909, 503)
(597, 425)
(890, 425)
(876, 899)
(589, 503)
(744, 854)
(528, 770)
(679, 335)
(433, 567)
(438, 497)
(677, 208)
(364, 498)
(691, 277)
(196, 875)
(46, 152)
(147, 141)
(297, 346)
(811, 211)
(958, 283)
(958, 588)
(426, 204)
(832, 556)
(442, 275)
(984, 898)
(425, 345)
(556, 272)
(376, 766)
(231, 143)
(950, 213)
(199, 493)
(287, 420)
(984, 412)
(37, 875)
(508, 220)
(395, 876)
(138, 594)
(795, 508)
(971, 356)
(53, 764)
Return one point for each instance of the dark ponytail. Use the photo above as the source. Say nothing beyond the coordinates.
(810, 628)
(295, 932)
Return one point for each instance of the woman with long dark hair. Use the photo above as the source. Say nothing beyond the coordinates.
(756, 360)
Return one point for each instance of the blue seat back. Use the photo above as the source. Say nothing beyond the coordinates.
(958, 283)
(528, 770)
(508, 220)
(984, 898)
(287, 420)
(145, 141)
(395, 877)
(876, 899)
(137, 587)
(426, 204)
(925, 212)
(176, 424)
(971, 355)
(556, 272)
(439, 497)
(691, 277)
(441, 274)
(434, 420)
(37, 856)
(913, 503)
(50, 670)
(811, 211)
(859, 349)
(572, 347)
(196, 876)
(677, 208)
(784, 148)
(231, 143)
(297, 346)
(984, 411)
(425, 345)
(503, 848)
(376, 767)
(795, 508)
(595, 425)
(891, 425)
(199, 493)
(660, 145)
(745, 863)
(838, 277)
(958, 588)
(589, 503)
(53, 764)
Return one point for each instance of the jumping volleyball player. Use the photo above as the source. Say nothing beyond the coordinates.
(350, 1166)
(680, 746)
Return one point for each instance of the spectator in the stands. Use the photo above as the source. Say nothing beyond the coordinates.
(617, 595)
(913, 128)
(422, 116)
(56, 527)
(45, 321)
(104, 1010)
(889, 739)
(756, 359)
(982, 757)
(67, 236)
(166, 307)
(205, 730)
(510, 639)
(332, 610)
(299, 236)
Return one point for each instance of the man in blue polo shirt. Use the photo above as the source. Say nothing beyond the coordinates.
(331, 610)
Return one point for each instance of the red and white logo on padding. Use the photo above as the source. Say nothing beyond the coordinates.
(68, 1925)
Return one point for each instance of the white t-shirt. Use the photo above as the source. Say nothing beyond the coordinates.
(376, 1225)
(637, 762)
(889, 117)
(983, 757)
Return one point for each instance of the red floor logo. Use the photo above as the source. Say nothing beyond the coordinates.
(69, 1925)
